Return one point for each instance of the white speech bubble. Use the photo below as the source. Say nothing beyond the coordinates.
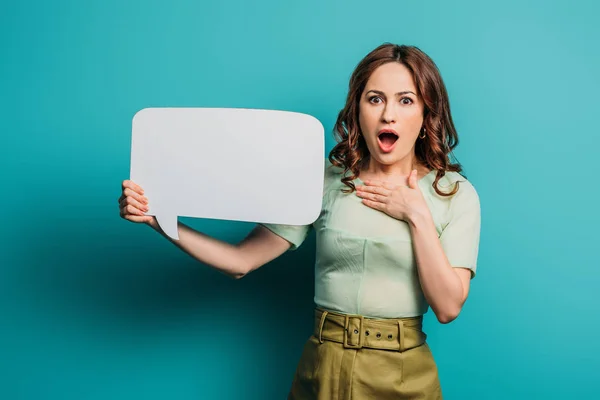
(236, 164)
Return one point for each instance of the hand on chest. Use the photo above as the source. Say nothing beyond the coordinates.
(346, 213)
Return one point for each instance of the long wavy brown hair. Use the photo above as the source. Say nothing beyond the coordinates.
(351, 152)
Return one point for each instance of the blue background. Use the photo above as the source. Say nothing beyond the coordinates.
(94, 307)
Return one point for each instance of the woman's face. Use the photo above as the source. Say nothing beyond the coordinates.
(390, 113)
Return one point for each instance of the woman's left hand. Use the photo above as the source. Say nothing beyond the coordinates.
(397, 201)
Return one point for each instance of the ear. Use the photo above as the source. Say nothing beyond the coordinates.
(412, 179)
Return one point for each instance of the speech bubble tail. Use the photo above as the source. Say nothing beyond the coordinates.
(168, 223)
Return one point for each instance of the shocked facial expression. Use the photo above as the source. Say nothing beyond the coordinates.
(390, 113)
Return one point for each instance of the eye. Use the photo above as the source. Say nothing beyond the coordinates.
(402, 100)
(372, 98)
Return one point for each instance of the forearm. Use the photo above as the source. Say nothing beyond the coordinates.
(441, 284)
(220, 255)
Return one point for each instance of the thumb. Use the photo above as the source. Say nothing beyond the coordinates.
(412, 179)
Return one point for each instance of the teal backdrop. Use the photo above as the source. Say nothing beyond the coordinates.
(95, 307)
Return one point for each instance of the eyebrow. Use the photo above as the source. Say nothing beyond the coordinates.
(397, 94)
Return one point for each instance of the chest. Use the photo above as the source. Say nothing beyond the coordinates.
(346, 213)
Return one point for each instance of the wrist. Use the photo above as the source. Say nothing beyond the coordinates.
(153, 224)
(418, 218)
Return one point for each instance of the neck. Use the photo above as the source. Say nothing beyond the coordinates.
(397, 171)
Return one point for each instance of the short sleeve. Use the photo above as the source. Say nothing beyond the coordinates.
(295, 234)
(460, 236)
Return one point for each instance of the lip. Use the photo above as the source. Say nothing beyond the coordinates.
(388, 131)
(387, 148)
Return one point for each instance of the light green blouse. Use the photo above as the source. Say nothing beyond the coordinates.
(364, 258)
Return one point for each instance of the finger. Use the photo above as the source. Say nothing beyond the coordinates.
(381, 184)
(132, 210)
(140, 198)
(135, 218)
(374, 204)
(132, 185)
(126, 213)
(412, 179)
(130, 193)
(374, 189)
(372, 196)
(133, 198)
(132, 204)
(372, 182)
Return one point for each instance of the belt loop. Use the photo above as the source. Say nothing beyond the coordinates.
(321, 326)
(401, 334)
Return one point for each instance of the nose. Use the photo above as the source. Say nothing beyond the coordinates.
(388, 116)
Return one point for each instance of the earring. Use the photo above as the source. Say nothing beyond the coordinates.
(424, 134)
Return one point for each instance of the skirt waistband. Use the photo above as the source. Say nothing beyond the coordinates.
(357, 331)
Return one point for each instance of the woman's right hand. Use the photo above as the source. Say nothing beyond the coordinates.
(133, 204)
(258, 248)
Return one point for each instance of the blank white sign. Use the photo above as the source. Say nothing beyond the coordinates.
(228, 163)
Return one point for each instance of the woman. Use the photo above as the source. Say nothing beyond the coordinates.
(398, 233)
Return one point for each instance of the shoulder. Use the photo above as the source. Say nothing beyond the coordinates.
(450, 179)
(333, 176)
(466, 197)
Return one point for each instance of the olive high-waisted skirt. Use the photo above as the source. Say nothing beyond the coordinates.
(353, 357)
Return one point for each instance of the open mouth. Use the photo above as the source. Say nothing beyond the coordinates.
(387, 140)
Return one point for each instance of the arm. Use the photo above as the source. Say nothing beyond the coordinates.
(258, 248)
(446, 263)
(445, 287)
